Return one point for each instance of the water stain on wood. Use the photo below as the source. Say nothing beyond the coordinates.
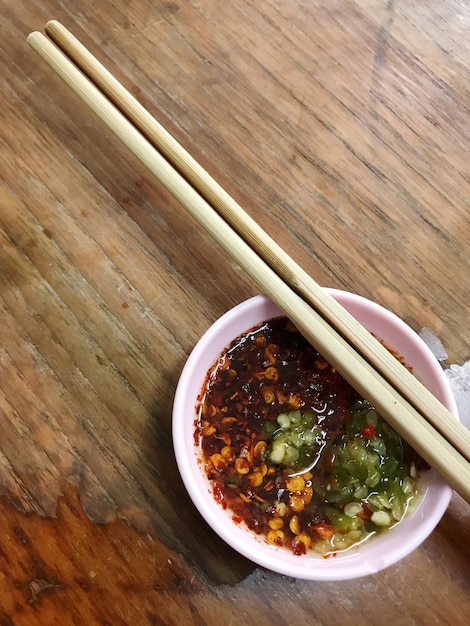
(50, 566)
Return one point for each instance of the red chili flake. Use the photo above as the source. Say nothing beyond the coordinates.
(324, 529)
(217, 398)
(218, 494)
(299, 548)
(368, 431)
(365, 514)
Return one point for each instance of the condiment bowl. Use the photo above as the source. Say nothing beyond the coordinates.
(370, 556)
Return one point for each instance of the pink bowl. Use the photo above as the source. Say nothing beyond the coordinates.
(374, 554)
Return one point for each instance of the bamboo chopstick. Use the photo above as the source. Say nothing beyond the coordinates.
(258, 239)
(396, 394)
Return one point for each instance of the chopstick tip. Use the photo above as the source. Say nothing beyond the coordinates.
(51, 24)
(34, 36)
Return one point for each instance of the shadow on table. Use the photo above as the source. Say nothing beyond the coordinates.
(185, 529)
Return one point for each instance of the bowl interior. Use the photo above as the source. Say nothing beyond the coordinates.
(373, 555)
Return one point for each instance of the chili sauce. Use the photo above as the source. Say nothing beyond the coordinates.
(293, 451)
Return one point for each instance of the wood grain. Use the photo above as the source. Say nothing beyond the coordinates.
(343, 129)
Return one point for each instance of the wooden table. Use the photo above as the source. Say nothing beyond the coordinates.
(343, 128)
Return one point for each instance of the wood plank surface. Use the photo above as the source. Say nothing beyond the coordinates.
(343, 128)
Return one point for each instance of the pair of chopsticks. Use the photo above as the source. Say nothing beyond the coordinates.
(369, 367)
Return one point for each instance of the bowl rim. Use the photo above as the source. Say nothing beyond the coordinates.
(354, 563)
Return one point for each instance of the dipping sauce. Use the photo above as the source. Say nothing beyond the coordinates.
(293, 451)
